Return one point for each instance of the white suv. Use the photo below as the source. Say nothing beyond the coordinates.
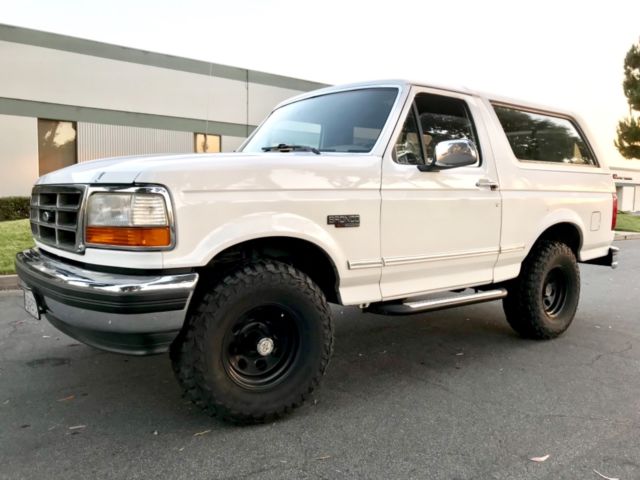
(394, 196)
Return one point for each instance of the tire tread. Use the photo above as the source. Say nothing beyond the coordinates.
(188, 353)
(521, 306)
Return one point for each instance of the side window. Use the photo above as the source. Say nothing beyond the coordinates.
(543, 138)
(408, 150)
(440, 118)
(443, 118)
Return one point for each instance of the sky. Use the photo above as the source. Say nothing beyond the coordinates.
(562, 53)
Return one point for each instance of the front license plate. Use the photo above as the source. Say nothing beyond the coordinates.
(31, 304)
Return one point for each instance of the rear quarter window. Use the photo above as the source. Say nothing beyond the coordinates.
(539, 137)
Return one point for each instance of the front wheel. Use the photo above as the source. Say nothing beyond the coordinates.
(256, 345)
(542, 302)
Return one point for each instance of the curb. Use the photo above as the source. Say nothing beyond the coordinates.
(627, 236)
(8, 282)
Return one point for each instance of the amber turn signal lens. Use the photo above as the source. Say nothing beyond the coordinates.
(129, 236)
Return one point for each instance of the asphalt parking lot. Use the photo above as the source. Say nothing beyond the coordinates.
(445, 395)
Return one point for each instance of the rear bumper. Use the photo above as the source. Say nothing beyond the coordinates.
(135, 314)
(609, 260)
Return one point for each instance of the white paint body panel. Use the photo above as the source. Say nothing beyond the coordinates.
(427, 217)
(419, 232)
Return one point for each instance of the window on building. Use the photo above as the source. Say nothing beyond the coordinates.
(207, 143)
(543, 138)
(57, 145)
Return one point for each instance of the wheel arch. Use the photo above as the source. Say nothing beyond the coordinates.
(566, 232)
(306, 256)
(562, 225)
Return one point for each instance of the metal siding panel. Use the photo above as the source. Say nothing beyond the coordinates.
(230, 144)
(97, 140)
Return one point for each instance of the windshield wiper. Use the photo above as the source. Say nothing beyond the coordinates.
(283, 147)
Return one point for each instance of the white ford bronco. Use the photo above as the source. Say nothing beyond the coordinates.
(397, 197)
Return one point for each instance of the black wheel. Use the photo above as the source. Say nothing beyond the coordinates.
(257, 344)
(543, 300)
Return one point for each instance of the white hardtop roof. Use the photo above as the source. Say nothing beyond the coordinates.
(403, 84)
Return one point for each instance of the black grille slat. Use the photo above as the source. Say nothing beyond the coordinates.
(66, 239)
(47, 199)
(69, 201)
(67, 219)
(47, 234)
(56, 217)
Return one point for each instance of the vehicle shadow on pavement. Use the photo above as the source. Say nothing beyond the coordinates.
(77, 384)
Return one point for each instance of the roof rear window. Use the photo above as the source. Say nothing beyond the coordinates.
(540, 137)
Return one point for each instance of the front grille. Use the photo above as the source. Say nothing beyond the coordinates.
(55, 216)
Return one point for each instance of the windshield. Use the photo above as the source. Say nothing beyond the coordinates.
(348, 121)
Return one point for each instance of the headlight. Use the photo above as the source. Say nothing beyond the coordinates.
(138, 218)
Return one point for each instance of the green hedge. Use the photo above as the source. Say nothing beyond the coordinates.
(14, 208)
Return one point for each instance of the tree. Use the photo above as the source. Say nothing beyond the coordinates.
(628, 141)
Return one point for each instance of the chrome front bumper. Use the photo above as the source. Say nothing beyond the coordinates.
(119, 312)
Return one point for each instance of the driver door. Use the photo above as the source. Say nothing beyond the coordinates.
(440, 230)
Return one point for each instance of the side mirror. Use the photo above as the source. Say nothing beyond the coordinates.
(452, 154)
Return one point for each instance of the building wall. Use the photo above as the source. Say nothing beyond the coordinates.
(230, 144)
(124, 101)
(18, 154)
(97, 140)
(626, 200)
(262, 99)
(53, 76)
(628, 188)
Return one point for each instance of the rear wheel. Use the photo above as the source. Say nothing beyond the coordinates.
(543, 300)
(256, 345)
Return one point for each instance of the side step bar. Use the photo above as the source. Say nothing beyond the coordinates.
(431, 304)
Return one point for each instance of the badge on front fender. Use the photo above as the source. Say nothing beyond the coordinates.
(343, 221)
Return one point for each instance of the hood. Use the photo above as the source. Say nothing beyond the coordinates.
(227, 171)
(114, 170)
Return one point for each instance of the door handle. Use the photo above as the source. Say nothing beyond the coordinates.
(486, 183)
